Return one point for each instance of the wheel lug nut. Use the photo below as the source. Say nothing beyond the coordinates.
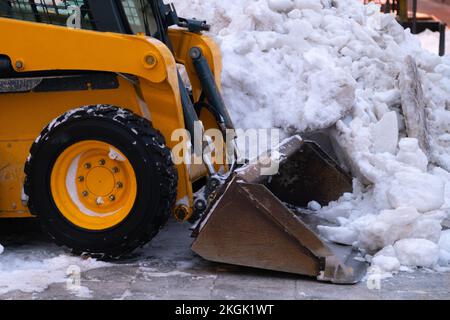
(85, 193)
(112, 198)
(115, 170)
(80, 178)
(102, 162)
(119, 185)
(88, 165)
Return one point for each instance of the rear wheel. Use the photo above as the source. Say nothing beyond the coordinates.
(101, 181)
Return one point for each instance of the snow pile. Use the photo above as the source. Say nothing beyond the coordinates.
(304, 65)
(31, 269)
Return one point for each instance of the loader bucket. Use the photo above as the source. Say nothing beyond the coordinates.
(256, 220)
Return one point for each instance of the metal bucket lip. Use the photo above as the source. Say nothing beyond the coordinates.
(337, 262)
(251, 171)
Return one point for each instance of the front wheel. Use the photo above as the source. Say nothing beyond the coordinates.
(101, 181)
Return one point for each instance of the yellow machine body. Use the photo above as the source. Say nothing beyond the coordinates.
(153, 94)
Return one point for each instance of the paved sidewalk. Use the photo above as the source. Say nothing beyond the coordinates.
(167, 269)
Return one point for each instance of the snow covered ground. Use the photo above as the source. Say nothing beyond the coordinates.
(305, 65)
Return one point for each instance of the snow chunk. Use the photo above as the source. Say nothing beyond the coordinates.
(308, 4)
(386, 260)
(342, 235)
(387, 264)
(427, 228)
(444, 247)
(388, 227)
(281, 5)
(411, 154)
(385, 133)
(422, 191)
(387, 251)
(430, 40)
(417, 252)
(314, 206)
(334, 91)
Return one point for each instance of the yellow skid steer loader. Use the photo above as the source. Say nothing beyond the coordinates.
(103, 79)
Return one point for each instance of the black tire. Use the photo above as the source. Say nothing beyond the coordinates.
(147, 152)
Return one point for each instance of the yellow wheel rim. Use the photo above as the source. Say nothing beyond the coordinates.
(93, 185)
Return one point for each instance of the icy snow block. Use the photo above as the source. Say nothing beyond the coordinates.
(386, 264)
(385, 134)
(281, 5)
(411, 154)
(413, 103)
(417, 252)
(388, 227)
(422, 191)
(444, 247)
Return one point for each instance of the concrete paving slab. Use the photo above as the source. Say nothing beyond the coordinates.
(167, 269)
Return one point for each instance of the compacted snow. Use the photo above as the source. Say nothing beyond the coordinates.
(33, 268)
(306, 65)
